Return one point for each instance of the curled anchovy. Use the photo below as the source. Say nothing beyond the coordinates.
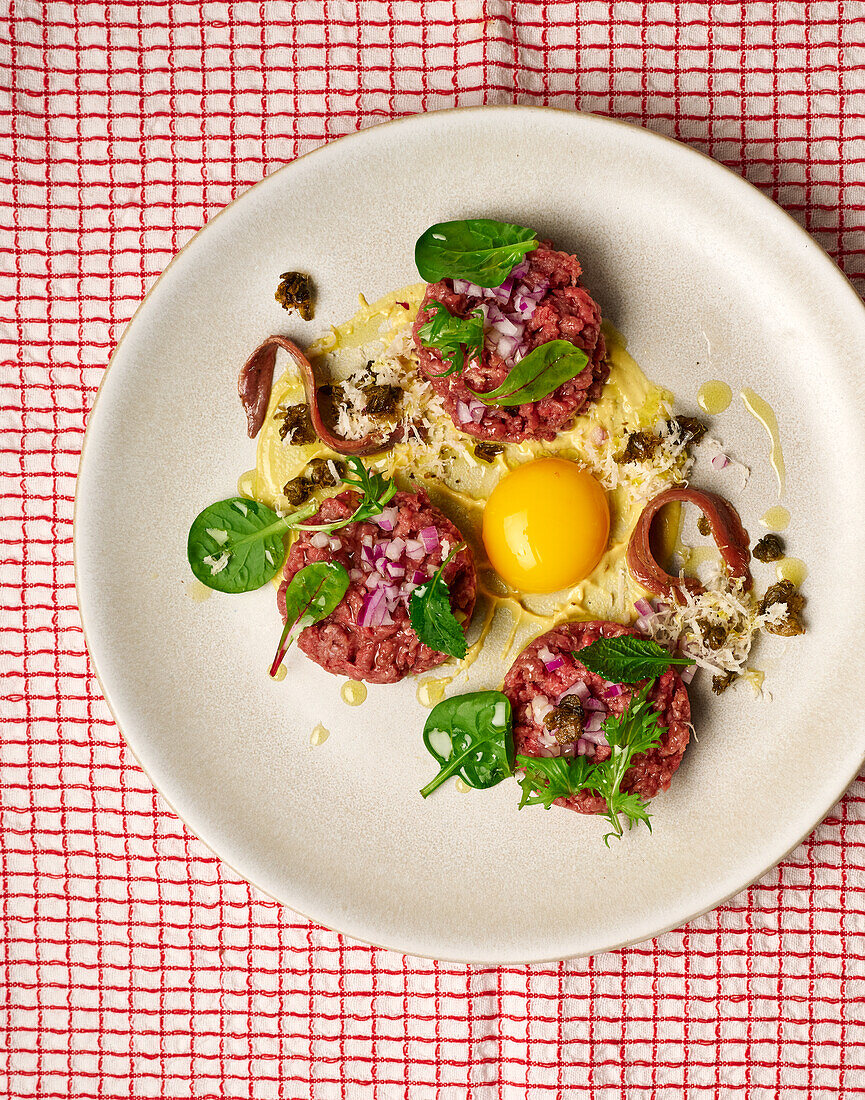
(726, 529)
(254, 385)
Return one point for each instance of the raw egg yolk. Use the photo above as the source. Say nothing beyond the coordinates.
(546, 525)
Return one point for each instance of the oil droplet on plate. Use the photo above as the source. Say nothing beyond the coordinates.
(462, 786)
(197, 591)
(792, 569)
(761, 410)
(431, 692)
(280, 673)
(713, 397)
(776, 519)
(353, 693)
(319, 735)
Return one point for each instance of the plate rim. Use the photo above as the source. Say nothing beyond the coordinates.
(830, 270)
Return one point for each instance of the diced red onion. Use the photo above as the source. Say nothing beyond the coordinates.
(463, 414)
(335, 544)
(508, 328)
(613, 691)
(429, 536)
(595, 705)
(596, 737)
(520, 270)
(395, 570)
(373, 611)
(688, 674)
(720, 461)
(387, 519)
(373, 580)
(583, 746)
(394, 548)
(643, 607)
(599, 435)
(505, 346)
(594, 723)
(545, 654)
(414, 549)
(579, 689)
(418, 577)
(643, 623)
(461, 285)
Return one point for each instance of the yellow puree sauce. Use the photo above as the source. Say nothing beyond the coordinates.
(629, 402)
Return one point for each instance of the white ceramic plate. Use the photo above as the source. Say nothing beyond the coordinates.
(683, 256)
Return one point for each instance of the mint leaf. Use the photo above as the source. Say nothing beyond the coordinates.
(627, 659)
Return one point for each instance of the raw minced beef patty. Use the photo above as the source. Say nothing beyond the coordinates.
(381, 654)
(533, 690)
(565, 312)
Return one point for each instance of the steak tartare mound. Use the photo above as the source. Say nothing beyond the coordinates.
(369, 636)
(545, 297)
(546, 672)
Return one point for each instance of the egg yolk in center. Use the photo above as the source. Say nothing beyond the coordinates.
(546, 525)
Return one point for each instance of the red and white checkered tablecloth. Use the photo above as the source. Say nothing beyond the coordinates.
(132, 963)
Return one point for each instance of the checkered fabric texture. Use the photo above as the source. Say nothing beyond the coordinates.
(132, 963)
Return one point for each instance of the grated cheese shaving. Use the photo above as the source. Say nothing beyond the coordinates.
(725, 604)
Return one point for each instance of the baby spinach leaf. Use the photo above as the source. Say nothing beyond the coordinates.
(538, 374)
(627, 659)
(470, 736)
(449, 335)
(312, 594)
(431, 615)
(237, 545)
(480, 250)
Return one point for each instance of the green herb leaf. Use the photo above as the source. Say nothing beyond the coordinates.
(538, 374)
(627, 659)
(375, 488)
(470, 736)
(634, 731)
(237, 545)
(482, 251)
(431, 615)
(547, 778)
(312, 594)
(450, 335)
